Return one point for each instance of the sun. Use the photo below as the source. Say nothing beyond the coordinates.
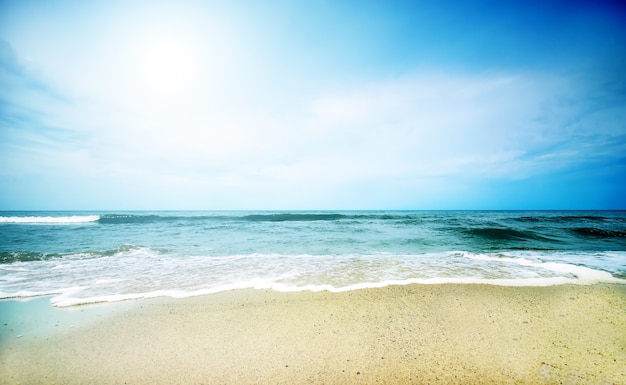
(168, 66)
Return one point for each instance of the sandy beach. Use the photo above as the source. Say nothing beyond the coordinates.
(400, 334)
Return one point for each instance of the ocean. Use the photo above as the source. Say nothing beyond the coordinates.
(88, 257)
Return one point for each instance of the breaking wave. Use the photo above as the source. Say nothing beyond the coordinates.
(51, 219)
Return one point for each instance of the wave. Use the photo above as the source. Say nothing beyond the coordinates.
(562, 218)
(598, 233)
(409, 219)
(277, 217)
(292, 217)
(506, 234)
(153, 218)
(404, 217)
(51, 220)
(7, 257)
(21, 256)
(129, 218)
(261, 217)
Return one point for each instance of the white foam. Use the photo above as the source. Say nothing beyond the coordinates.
(51, 220)
(590, 276)
(144, 273)
(580, 274)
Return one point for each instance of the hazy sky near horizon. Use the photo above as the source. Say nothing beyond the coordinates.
(312, 104)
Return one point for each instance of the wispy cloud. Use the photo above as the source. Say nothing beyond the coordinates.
(32, 134)
(263, 120)
(488, 125)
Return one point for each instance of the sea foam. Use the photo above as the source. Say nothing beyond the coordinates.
(139, 272)
(51, 220)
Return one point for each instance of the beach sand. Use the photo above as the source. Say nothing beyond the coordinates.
(459, 334)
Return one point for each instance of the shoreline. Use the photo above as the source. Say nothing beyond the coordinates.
(448, 333)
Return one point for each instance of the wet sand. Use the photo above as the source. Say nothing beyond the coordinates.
(400, 334)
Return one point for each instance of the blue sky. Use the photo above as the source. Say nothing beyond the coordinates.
(312, 105)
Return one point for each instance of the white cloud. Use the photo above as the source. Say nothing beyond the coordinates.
(442, 125)
(419, 134)
(422, 126)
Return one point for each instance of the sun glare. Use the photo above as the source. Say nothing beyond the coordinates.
(168, 66)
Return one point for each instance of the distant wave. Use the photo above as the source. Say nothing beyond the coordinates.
(128, 218)
(494, 231)
(506, 234)
(292, 217)
(277, 217)
(151, 218)
(51, 220)
(598, 233)
(562, 218)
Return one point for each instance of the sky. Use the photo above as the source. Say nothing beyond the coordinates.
(312, 105)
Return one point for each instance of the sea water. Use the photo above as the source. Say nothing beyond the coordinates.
(87, 257)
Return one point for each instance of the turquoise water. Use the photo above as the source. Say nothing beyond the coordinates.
(83, 257)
